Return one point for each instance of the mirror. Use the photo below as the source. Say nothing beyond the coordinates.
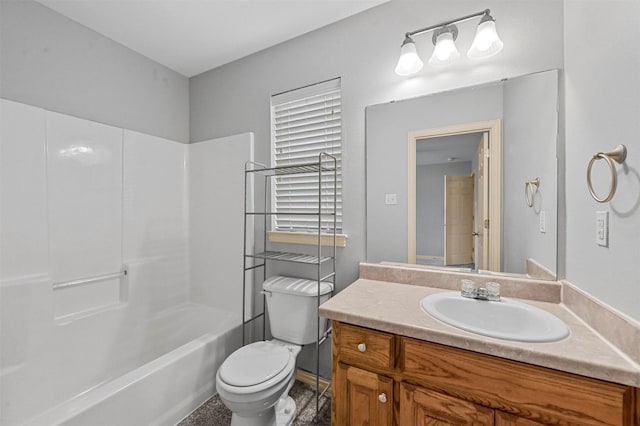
(498, 138)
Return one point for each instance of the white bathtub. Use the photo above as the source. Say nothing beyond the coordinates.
(181, 351)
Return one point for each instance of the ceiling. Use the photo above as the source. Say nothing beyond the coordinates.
(193, 36)
(447, 149)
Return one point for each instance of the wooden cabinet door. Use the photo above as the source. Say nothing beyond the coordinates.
(362, 398)
(423, 407)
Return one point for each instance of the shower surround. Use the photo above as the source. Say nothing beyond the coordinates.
(82, 200)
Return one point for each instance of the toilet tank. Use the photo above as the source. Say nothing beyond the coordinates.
(292, 304)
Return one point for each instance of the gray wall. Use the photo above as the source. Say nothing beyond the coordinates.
(363, 50)
(430, 205)
(50, 61)
(529, 151)
(603, 110)
(387, 127)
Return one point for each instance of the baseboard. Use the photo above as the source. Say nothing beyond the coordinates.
(425, 257)
(310, 379)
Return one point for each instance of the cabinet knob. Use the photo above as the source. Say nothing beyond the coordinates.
(382, 398)
(362, 347)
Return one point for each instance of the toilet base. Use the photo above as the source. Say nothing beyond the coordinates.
(282, 414)
(285, 411)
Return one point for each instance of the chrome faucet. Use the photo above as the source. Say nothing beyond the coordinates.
(491, 292)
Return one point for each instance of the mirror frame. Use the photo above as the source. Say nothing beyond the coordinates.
(494, 130)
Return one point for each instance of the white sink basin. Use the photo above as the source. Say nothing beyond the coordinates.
(506, 319)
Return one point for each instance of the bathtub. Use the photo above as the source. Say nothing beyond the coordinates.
(177, 353)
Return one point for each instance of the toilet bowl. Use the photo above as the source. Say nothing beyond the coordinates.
(254, 382)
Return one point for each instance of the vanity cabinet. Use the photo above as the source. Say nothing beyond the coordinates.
(360, 395)
(386, 379)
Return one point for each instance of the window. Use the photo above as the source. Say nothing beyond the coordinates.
(304, 123)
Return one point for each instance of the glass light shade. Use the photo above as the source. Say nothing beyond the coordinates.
(409, 62)
(486, 43)
(445, 51)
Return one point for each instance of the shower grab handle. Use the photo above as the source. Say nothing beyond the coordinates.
(74, 283)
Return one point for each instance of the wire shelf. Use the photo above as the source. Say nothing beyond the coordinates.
(315, 213)
(289, 170)
(291, 257)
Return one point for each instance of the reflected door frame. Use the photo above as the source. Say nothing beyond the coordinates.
(493, 128)
(482, 243)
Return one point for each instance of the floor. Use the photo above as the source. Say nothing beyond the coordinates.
(214, 413)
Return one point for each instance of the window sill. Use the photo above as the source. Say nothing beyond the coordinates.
(308, 238)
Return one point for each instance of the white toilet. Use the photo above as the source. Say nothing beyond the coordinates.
(254, 381)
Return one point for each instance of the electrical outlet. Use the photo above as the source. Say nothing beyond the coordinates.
(390, 199)
(602, 228)
(543, 222)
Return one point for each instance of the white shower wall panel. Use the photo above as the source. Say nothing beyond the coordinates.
(84, 176)
(155, 221)
(25, 287)
(23, 186)
(216, 203)
(154, 196)
(84, 187)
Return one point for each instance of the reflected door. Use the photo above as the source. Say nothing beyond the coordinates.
(458, 220)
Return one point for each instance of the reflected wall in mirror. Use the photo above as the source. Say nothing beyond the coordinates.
(403, 136)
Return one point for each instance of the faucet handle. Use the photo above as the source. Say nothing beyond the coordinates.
(493, 291)
(469, 288)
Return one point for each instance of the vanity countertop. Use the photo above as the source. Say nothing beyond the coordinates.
(395, 308)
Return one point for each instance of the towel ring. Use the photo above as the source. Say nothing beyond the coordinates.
(619, 154)
(530, 192)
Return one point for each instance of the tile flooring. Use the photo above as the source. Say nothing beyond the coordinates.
(214, 413)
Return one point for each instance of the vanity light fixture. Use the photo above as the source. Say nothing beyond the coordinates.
(486, 43)
(409, 62)
(445, 50)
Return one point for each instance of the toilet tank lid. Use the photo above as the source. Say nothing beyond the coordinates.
(297, 286)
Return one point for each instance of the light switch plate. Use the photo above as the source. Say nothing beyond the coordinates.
(543, 222)
(390, 199)
(602, 228)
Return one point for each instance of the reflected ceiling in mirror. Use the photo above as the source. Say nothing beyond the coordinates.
(446, 149)
(526, 109)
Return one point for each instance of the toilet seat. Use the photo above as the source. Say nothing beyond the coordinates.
(256, 367)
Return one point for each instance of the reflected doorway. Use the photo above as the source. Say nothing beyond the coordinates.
(452, 171)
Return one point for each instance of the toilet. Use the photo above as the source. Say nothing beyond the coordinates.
(254, 381)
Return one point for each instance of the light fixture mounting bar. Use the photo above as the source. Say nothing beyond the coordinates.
(442, 24)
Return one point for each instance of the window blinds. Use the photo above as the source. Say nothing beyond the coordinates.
(304, 123)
